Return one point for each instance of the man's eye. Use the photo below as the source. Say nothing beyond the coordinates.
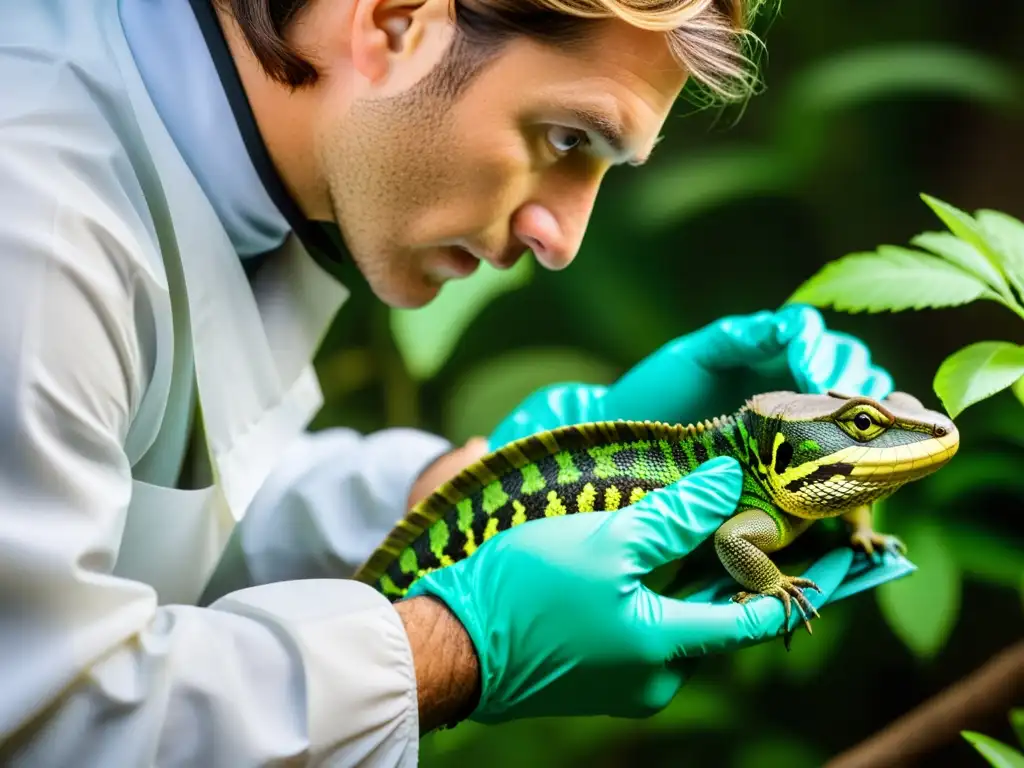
(565, 139)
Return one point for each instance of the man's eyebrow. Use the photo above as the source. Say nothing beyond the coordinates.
(610, 129)
(604, 125)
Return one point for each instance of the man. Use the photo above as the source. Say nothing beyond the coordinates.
(178, 184)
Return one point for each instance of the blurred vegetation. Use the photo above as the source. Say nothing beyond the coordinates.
(997, 753)
(868, 105)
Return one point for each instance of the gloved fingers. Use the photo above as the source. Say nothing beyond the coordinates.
(663, 686)
(839, 362)
(879, 384)
(739, 341)
(694, 628)
(793, 320)
(855, 373)
(823, 360)
(664, 385)
(671, 522)
(657, 387)
(807, 365)
(547, 408)
(866, 573)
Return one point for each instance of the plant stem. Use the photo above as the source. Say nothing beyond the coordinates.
(966, 705)
(1010, 302)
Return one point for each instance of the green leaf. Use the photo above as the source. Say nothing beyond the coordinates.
(777, 750)
(964, 255)
(992, 470)
(890, 278)
(426, 337)
(922, 608)
(830, 87)
(812, 653)
(977, 372)
(1005, 234)
(855, 77)
(489, 391)
(997, 753)
(985, 555)
(965, 227)
(1018, 389)
(1017, 723)
(682, 189)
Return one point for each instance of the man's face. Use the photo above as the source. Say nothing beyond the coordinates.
(424, 190)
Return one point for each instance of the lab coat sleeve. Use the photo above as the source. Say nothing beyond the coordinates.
(94, 672)
(333, 498)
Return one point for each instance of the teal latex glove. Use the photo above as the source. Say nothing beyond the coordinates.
(711, 372)
(563, 626)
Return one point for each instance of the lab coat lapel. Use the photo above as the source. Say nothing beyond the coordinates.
(257, 387)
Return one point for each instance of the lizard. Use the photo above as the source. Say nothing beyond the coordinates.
(805, 457)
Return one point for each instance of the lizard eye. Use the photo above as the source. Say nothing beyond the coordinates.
(863, 423)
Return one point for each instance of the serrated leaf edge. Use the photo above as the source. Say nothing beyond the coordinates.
(825, 274)
(957, 220)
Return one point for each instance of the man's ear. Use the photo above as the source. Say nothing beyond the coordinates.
(387, 31)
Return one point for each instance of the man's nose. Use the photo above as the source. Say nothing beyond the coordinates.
(554, 234)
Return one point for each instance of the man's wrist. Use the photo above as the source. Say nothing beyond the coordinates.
(445, 467)
(445, 661)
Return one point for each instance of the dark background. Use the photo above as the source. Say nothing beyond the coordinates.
(868, 104)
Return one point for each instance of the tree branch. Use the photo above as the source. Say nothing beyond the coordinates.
(990, 690)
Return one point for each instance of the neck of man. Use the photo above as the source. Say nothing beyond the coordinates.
(195, 68)
(286, 120)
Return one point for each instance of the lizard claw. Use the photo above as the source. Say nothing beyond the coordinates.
(789, 590)
(868, 539)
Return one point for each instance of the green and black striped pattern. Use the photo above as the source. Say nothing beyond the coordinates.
(601, 466)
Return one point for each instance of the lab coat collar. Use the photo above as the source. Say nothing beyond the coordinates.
(322, 240)
(184, 84)
(252, 340)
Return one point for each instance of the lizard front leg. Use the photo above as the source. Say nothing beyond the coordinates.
(864, 535)
(743, 543)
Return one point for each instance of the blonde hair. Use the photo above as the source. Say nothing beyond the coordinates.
(711, 39)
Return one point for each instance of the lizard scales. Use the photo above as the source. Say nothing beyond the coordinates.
(804, 457)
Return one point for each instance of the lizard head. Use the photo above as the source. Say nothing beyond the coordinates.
(821, 455)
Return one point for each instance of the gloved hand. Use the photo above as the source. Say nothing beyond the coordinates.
(710, 372)
(562, 624)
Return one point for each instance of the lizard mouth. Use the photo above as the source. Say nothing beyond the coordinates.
(862, 474)
(901, 463)
(870, 466)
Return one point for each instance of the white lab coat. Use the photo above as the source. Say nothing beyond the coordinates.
(122, 306)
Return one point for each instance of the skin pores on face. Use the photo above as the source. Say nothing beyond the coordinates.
(424, 189)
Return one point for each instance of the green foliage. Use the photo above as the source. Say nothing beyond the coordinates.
(981, 257)
(490, 390)
(803, 123)
(978, 258)
(1017, 722)
(977, 372)
(894, 279)
(728, 220)
(923, 607)
(997, 753)
(426, 336)
(783, 750)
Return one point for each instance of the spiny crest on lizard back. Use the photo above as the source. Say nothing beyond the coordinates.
(807, 454)
(824, 455)
(599, 466)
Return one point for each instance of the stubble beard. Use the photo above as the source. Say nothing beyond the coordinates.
(369, 170)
